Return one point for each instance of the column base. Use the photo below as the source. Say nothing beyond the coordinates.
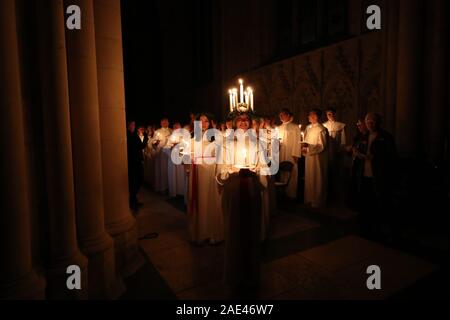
(128, 258)
(29, 287)
(57, 279)
(102, 278)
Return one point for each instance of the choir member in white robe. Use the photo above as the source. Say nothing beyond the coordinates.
(337, 141)
(159, 141)
(316, 162)
(290, 148)
(246, 207)
(205, 215)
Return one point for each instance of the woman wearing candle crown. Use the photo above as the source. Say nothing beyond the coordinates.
(205, 216)
(245, 206)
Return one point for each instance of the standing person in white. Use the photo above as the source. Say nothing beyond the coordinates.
(337, 141)
(205, 215)
(315, 149)
(290, 148)
(159, 141)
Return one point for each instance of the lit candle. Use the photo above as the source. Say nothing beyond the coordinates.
(278, 133)
(246, 99)
(235, 98)
(231, 100)
(244, 154)
(251, 99)
(241, 82)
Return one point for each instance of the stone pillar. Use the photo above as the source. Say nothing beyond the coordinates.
(62, 247)
(94, 241)
(436, 80)
(17, 278)
(408, 78)
(120, 223)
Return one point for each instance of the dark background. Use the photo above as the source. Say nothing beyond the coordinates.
(174, 51)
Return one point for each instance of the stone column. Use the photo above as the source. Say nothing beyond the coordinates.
(436, 80)
(408, 77)
(94, 241)
(17, 278)
(62, 246)
(120, 223)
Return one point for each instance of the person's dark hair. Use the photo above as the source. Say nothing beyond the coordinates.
(240, 114)
(316, 111)
(331, 109)
(206, 114)
(287, 111)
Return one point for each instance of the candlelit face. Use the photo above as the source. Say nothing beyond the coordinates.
(132, 126)
(313, 117)
(176, 126)
(165, 123)
(372, 122)
(229, 124)
(243, 122)
(285, 117)
(205, 122)
(331, 116)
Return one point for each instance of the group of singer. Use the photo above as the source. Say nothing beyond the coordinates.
(234, 204)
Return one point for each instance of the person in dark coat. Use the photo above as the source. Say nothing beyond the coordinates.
(358, 147)
(135, 150)
(378, 155)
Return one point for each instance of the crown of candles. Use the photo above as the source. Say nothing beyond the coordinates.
(244, 102)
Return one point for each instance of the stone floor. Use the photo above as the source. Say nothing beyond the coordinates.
(310, 255)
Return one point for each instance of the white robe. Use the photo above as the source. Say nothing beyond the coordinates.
(336, 154)
(316, 166)
(205, 215)
(290, 147)
(161, 182)
(265, 184)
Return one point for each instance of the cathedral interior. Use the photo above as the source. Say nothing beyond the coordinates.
(66, 95)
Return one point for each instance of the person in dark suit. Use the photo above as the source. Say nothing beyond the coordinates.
(358, 147)
(379, 156)
(135, 148)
